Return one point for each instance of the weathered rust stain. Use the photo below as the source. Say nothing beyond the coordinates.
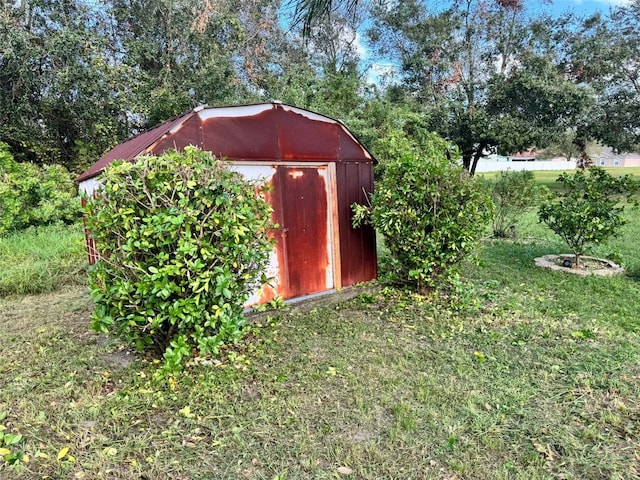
(184, 134)
(299, 201)
(92, 251)
(357, 245)
(267, 294)
(277, 133)
(271, 135)
(274, 197)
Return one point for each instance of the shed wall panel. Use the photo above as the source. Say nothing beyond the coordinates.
(357, 245)
(300, 208)
(267, 132)
(302, 259)
(304, 139)
(241, 138)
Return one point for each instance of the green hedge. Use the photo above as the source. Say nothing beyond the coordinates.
(430, 212)
(31, 195)
(183, 241)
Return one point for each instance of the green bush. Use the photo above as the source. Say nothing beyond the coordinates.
(183, 241)
(34, 196)
(588, 209)
(513, 193)
(431, 214)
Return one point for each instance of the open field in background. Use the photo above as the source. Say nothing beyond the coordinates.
(529, 375)
(548, 177)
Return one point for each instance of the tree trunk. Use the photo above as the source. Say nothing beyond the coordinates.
(466, 161)
(584, 161)
(476, 157)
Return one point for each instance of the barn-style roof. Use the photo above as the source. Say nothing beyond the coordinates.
(270, 132)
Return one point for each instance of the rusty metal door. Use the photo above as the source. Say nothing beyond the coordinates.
(300, 202)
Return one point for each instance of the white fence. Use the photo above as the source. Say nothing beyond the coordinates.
(496, 166)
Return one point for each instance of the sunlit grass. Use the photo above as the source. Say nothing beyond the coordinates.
(531, 375)
(42, 259)
(549, 177)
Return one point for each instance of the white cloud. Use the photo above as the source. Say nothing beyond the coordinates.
(361, 48)
(382, 74)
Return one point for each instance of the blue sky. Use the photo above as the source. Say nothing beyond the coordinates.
(585, 7)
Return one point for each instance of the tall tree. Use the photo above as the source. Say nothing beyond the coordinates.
(322, 70)
(308, 12)
(57, 95)
(476, 69)
(603, 54)
(193, 52)
(77, 76)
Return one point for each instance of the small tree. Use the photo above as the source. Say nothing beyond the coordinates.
(430, 212)
(182, 242)
(588, 210)
(513, 193)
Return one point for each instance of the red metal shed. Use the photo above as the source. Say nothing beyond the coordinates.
(317, 170)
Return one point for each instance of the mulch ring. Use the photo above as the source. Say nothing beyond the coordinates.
(588, 265)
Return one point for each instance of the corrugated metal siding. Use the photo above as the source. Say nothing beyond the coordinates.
(268, 132)
(182, 134)
(130, 149)
(271, 135)
(92, 251)
(300, 208)
(357, 245)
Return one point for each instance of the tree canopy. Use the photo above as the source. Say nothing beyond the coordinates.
(78, 76)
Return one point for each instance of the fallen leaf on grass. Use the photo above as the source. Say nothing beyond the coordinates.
(546, 450)
(186, 412)
(110, 452)
(63, 453)
(345, 470)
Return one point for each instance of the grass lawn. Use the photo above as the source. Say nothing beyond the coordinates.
(548, 177)
(42, 259)
(533, 375)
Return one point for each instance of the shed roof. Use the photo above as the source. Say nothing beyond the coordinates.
(264, 132)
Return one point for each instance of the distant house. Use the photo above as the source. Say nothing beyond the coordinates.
(609, 158)
(526, 156)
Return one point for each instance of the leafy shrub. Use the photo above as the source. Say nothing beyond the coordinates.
(588, 210)
(11, 451)
(33, 196)
(183, 240)
(513, 193)
(431, 214)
